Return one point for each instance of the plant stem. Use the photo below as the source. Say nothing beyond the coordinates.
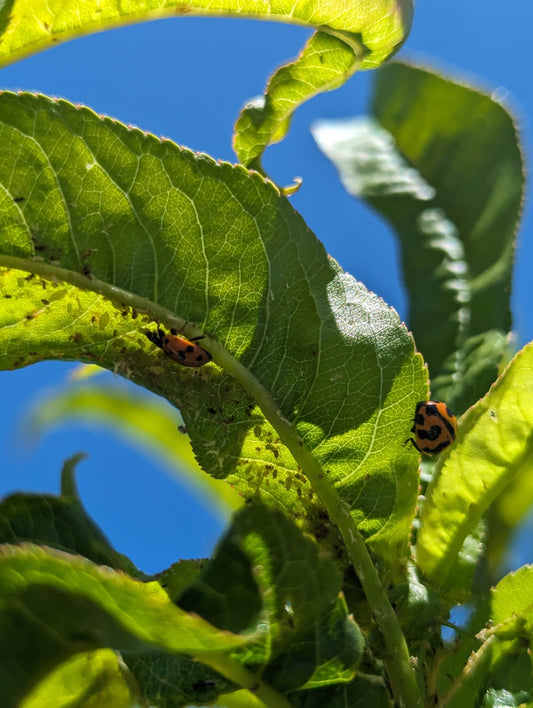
(475, 664)
(240, 674)
(84, 282)
(401, 673)
(402, 676)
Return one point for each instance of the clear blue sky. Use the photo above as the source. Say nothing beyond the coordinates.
(186, 79)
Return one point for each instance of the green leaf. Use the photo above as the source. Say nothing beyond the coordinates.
(85, 371)
(364, 691)
(138, 222)
(264, 573)
(418, 608)
(93, 679)
(325, 63)
(379, 26)
(170, 681)
(53, 605)
(63, 523)
(363, 33)
(467, 577)
(505, 515)
(441, 162)
(141, 420)
(498, 676)
(264, 567)
(491, 667)
(513, 597)
(493, 446)
(181, 574)
(499, 672)
(240, 699)
(377, 29)
(327, 655)
(60, 522)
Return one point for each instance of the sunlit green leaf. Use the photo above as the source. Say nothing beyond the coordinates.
(493, 446)
(241, 699)
(377, 29)
(122, 229)
(176, 578)
(94, 679)
(513, 597)
(53, 605)
(325, 63)
(348, 35)
(377, 25)
(170, 680)
(505, 515)
(441, 161)
(85, 371)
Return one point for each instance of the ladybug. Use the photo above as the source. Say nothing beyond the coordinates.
(184, 351)
(434, 427)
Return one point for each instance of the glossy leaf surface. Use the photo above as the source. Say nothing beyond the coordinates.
(452, 189)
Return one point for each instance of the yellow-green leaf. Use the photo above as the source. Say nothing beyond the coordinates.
(144, 421)
(348, 35)
(54, 605)
(330, 57)
(494, 445)
(120, 232)
(29, 26)
(94, 679)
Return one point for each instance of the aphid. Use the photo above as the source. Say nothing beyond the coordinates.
(435, 427)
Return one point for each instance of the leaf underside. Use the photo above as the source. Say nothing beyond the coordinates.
(90, 204)
(452, 189)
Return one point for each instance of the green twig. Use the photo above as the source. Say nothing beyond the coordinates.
(401, 674)
(84, 282)
(240, 675)
(476, 664)
(457, 629)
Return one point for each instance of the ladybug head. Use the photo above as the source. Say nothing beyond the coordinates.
(155, 337)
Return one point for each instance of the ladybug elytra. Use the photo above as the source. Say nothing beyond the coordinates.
(185, 351)
(435, 427)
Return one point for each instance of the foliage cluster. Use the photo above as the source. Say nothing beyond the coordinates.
(344, 556)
